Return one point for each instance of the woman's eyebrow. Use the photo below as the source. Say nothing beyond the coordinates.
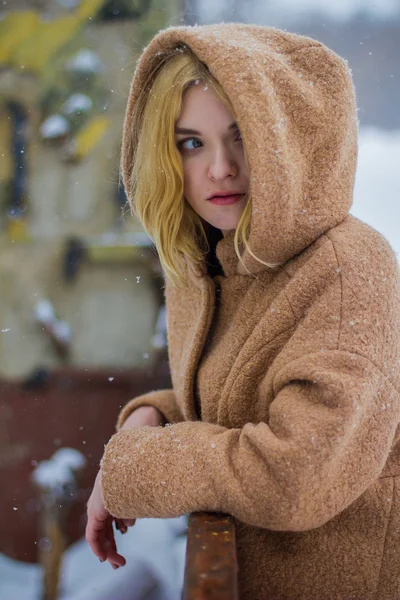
(186, 131)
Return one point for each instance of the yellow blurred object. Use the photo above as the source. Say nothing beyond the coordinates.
(88, 137)
(17, 230)
(28, 43)
(113, 254)
(7, 161)
(35, 51)
(14, 29)
(89, 8)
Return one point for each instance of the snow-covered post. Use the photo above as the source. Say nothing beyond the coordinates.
(57, 482)
(59, 331)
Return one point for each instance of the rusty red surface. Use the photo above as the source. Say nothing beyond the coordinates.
(211, 563)
(70, 408)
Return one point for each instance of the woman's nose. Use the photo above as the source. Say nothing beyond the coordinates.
(222, 165)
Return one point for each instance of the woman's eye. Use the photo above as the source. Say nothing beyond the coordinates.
(239, 137)
(189, 144)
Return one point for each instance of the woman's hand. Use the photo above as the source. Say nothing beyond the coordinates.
(99, 528)
(144, 415)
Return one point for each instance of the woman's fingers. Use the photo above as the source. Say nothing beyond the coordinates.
(129, 522)
(116, 560)
(120, 526)
(112, 556)
(95, 536)
(123, 524)
(100, 537)
(99, 529)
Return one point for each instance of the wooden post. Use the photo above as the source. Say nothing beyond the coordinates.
(57, 482)
(211, 563)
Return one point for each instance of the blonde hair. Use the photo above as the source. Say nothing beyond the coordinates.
(156, 184)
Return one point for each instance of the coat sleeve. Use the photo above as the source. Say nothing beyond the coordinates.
(332, 410)
(330, 429)
(164, 400)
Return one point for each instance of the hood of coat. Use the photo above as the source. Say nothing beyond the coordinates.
(295, 106)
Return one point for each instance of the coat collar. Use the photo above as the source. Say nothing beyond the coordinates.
(226, 254)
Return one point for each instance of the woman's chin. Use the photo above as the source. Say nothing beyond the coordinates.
(225, 227)
(228, 221)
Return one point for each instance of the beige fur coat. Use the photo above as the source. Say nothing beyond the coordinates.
(295, 370)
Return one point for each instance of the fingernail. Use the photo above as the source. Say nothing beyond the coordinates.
(101, 560)
(123, 530)
(115, 567)
(117, 526)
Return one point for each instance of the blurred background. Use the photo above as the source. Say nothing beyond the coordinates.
(82, 325)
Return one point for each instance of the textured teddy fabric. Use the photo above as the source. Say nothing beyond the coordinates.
(295, 369)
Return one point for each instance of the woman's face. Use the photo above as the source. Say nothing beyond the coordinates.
(214, 167)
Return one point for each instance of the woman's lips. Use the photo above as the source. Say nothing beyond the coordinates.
(225, 200)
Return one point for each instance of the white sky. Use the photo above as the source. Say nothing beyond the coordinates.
(340, 9)
(377, 195)
(261, 11)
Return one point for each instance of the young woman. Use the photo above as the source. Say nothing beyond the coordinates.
(239, 156)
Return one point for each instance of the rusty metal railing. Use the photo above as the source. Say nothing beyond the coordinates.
(211, 563)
